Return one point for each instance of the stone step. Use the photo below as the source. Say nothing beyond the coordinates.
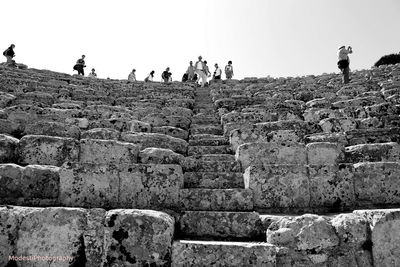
(217, 199)
(214, 157)
(198, 165)
(218, 253)
(213, 180)
(221, 225)
(203, 150)
(204, 136)
(205, 119)
(206, 129)
(373, 152)
(219, 141)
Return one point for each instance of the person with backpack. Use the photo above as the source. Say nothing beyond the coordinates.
(229, 70)
(344, 62)
(150, 77)
(80, 64)
(199, 69)
(9, 54)
(217, 73)
(166, 75)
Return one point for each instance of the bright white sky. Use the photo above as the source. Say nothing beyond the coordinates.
(261, 37)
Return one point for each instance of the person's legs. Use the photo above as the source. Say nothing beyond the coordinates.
(9, 60)
(203, 79)
(346, 72)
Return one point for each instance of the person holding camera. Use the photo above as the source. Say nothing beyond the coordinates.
(80, 64)
(344, 62)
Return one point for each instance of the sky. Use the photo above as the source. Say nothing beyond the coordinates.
(277, 38)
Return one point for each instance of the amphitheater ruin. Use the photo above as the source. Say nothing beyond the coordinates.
(297, 171)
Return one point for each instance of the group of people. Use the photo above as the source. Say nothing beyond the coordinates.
(194, 73)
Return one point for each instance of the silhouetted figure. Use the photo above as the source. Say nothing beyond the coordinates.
(229, 70)
(190, 71)
(80, 64)
(166, 75)
(344, 62)
(150, 77)
(9, 54)
(92, 74)
(132, 76)
(217, 73)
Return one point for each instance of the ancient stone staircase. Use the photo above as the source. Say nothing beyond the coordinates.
(112, 173)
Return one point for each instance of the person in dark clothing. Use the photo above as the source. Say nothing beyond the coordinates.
(80, 64)
(9, 54)
(166, 75)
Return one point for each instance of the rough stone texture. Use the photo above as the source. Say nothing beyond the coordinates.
(101, 133)
(213, 253)
(217, 199)
(385, 226)
(324, 153)
(331, 186)
(137, 238)
(46, 150)
(93, 236)
(31, 185)
(332, 125)
(160, 156)
(270, 153)
(107, 152)
(8, 145)
(221, 225)
(377, 183)
(300, 233)
(139, 126)
(51, 128)
(52, 232)
(373, 152)
(8, 234)
(145, 140)
(150, 186)
(278, 186)
(172, 131)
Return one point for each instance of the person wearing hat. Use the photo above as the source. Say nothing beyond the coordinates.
(92, 74)
(132, 76)
(344, 62)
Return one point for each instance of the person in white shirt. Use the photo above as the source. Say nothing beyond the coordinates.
(344, 62)
(199, 69)
(217, 72)
(229, 70)
(92, 74)
(132, 76)
(150, 77)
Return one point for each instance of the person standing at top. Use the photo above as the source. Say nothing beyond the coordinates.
(166, 75)
(150, 77)
(80, 64)
(206, 71)
(132, 76)
(190, 71)
(344, 62)
(9, 54)
(92, 74)
(199, 69)
(217, 73)
(229, 70)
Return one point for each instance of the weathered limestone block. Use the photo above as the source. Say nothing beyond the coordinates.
(331, 187)
(351, 90)
(177, 111)
(36, 98)
(352, 229)
(331, 125)
(373, 152)
(139, 126)
(107, 152)
(23, 114)
(153, 155)
(182, 103)
(369, 123)
(318, 103)
(8, 145)
(227, 103)
(172, 131)
(138, 238)
(364, 136)
(47, 150)
(385, 226)
(51, 128)
(259, 131)
(60, 115)
(247, 117)
(270, 153)
(217, 199)
(6, 99)
(278, 186)
(306, 232)
(285, 137)
(339, 138)
(214, 253)
(94, 236)
(82, 123)
(359, 101)
(101, 133)
(324, 153)
(377, 183)
(219, 164)
(52, 232)
(32, 185)
(8, 235)
(317, 114)
(203, 224)
(145, 140)
(95, 112)
(89, 185)
(150, 186)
